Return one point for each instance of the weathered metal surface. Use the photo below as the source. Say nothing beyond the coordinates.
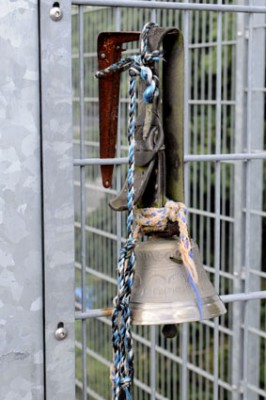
(21, 305)
(110, 51)
(150, 172)
(173, 114)
(57, 163)
(162, 294)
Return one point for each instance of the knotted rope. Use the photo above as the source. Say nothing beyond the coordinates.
(139, 65)
(123, 370)
(150, 220)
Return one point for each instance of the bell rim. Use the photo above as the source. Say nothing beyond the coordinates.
(148, 313)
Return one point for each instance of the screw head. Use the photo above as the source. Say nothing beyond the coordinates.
(103, 55)
(60, 333)
(56, 14)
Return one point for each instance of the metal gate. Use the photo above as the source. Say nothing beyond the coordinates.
(225, 172)
(224, 132)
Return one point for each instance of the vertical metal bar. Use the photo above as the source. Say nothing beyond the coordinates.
(153, 362)
(202, 129)
(253, 192)
(194, 133)
(153, 15)
(238, 238)
(209, 147)
(248, 205)
(82, 201)
(58, 209)
(202, 328)
(217, 194)
(184, 387)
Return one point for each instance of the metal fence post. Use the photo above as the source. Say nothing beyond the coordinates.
(237, 340)
(21, 314)
(58, 199)
(253, 197)
(247, 227)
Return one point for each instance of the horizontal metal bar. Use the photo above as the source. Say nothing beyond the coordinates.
(187, 158)
(86, 143)
(171, 5)
(122, 100)
(203, 45)
(206, 102)
(209, 214)
(85, 55)
(101, 189)
(256, 272)
(74, 11)
(226, 157)
(257, 390)
(147, 343)
(222, 329)
(262, 89)
(222, 274)
(257, 332)
(256, 212)
(94, 355)
(97, 274)
(228, 298)
(96, 313)
(100, 161)
(97, 231)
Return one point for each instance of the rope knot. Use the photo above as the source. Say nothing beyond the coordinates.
(156, 219)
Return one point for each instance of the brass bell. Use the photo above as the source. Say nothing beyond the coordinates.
(162, 294)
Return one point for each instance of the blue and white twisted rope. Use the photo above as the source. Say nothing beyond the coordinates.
(123, 369)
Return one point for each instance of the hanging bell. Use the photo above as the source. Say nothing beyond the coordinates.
(162, 294)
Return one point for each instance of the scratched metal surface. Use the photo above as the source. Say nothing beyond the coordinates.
(58, 209)
(21, 327)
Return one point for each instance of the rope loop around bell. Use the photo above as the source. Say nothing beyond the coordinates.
(153, 219)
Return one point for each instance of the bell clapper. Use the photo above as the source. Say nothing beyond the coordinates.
(169, 331)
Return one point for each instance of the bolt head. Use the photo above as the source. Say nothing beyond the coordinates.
(56, 14)
(60, 333)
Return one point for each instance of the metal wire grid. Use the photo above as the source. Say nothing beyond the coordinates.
(224, 173)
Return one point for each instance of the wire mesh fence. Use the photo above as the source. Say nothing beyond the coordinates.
(224, 131)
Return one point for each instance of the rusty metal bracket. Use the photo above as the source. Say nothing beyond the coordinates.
(109, 50)
(172, 94)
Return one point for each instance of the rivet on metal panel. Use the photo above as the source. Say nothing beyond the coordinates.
(56, 13)
(61, 332)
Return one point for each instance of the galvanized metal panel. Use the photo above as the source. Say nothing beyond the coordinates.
(21, 303)
(58, 210)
